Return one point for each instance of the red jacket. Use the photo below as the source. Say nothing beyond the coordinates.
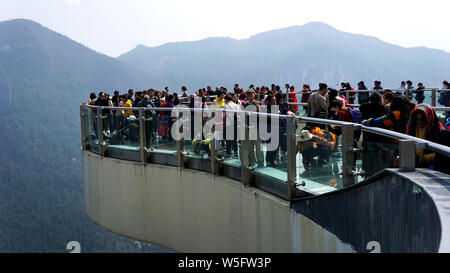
(293, 98)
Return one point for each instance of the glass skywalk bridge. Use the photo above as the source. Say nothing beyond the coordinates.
(285, 164)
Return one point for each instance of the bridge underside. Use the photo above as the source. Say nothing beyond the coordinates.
(193, 211)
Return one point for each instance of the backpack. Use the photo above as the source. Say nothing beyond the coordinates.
(356, 115)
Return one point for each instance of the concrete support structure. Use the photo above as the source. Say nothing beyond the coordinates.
(101, 142)
(192, 211)
(83, 117)
(142, 136)
(292, 157)
(348, 156)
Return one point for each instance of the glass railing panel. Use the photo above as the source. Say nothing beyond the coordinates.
(377, 153)
(91, 129)
(443, 98)
(228, 145)
(426, 98)
(89, 125)
(161, 138)
(319, 157)
(121, 129)
(195, 143)
(268, 152)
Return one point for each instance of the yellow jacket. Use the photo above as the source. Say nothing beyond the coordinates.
(128, 112)
(220, 103)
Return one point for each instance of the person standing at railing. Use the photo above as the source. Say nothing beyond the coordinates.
(209, 91)
(277, 90)
(419, 93)
(444, 96)
(128, 103)
(120, 119)
(137, 98)
(306, 93)
(158, 96)
(271, 156)
(102, 101)
(110, 116)
(293, 98)
(231, 126)
(184, 92)
(350, 95)
(92, 98)
(93, 122)
(318, 104)
(219, 102)
(149, 119)
(164, 94)
(342, 90)
(236, 88)
(130, 95)
(252, 105)
(402, 88)
(115, 98)
(242, 98)
(362, 96)
(176, 100)
(234, 98)
(166, 120)
(377, 86)
(409, 90)
(284, 110)
(374, 146)
(346, 114)
(388, 96)
(425, 124)
(154, 99)
(130, 118)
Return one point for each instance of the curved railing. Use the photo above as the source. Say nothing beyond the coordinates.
(244, 147)
(432, 96)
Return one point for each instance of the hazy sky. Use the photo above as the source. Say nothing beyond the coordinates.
(114, 27)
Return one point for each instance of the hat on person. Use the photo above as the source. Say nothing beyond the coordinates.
(304, 136)
(250, 91)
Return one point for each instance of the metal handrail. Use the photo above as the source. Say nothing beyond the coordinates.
(373, 90)
(437, 108)
(420, 143)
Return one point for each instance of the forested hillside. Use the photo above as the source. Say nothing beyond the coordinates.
(44, 76)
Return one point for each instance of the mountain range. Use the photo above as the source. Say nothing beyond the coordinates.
(44, 76)
(312, 53)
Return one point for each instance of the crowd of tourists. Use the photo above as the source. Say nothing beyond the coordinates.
(401, 110)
